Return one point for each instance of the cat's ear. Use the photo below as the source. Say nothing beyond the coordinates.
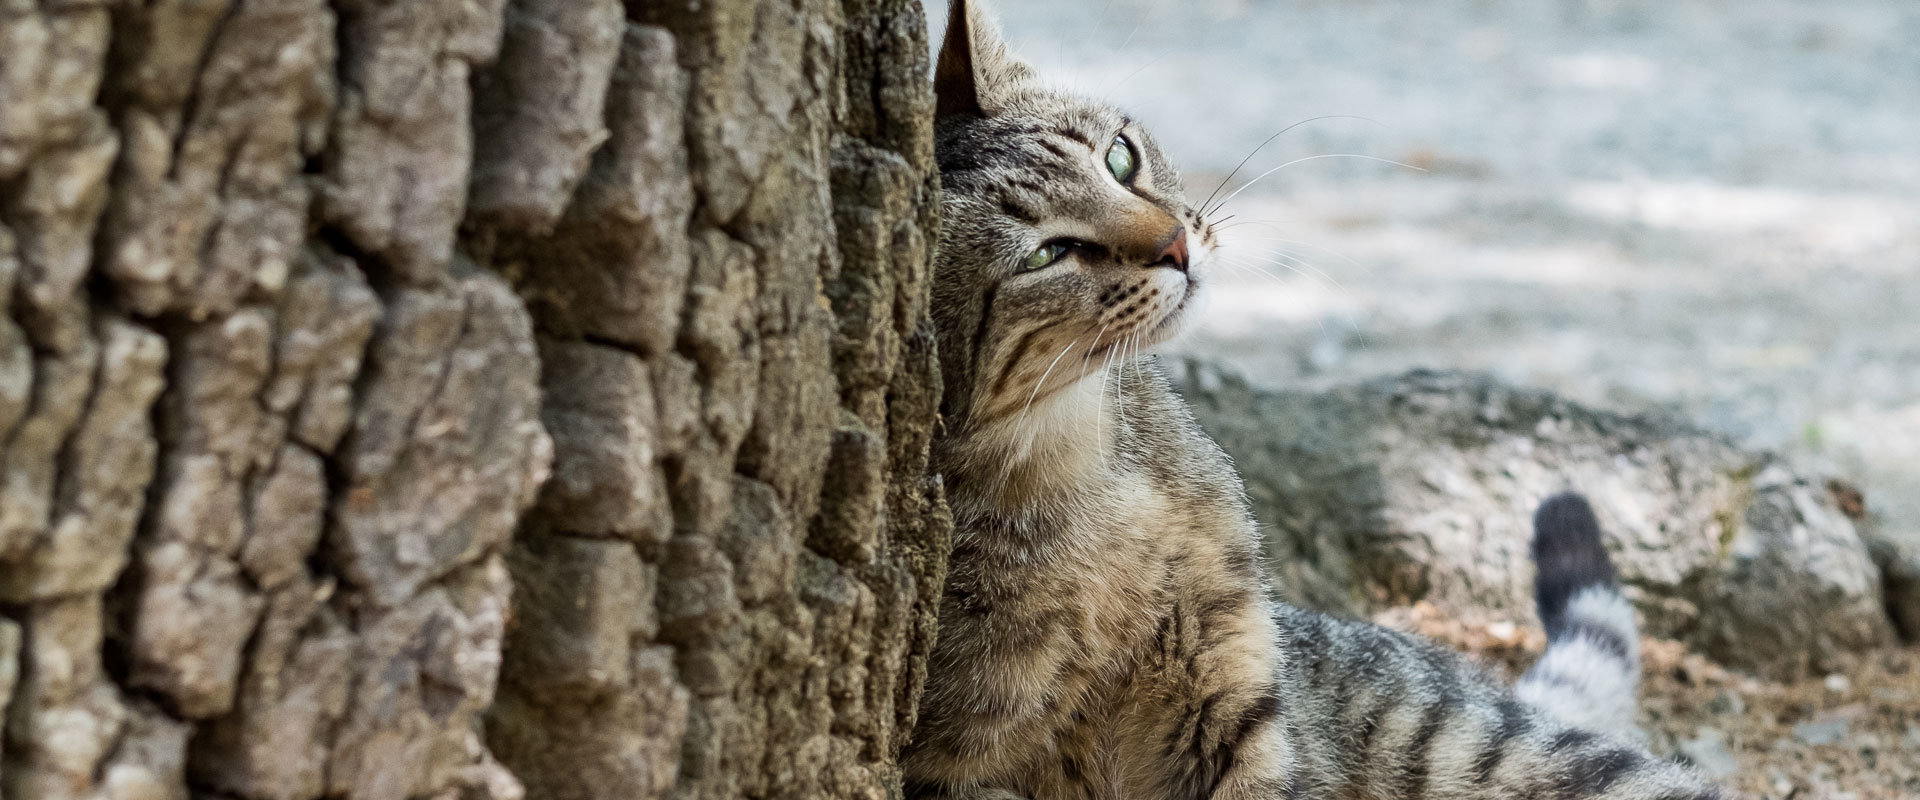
(975, 71)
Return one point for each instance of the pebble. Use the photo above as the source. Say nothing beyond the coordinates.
(1708, 752)
(1782, 785)
(1727, 702)
(1838, 683)
(1818, 733)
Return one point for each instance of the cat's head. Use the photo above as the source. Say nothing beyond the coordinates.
(1066, 240)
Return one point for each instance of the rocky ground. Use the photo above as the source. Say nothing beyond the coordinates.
(1704, 209)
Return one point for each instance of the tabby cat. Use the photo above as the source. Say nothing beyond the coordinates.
(1106, 630)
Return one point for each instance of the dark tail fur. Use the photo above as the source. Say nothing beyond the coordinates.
(1590, 673)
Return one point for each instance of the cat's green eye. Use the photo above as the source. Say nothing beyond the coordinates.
(1121, 161)
(1047, 254)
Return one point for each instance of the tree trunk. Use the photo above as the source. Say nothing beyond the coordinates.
(464, 398)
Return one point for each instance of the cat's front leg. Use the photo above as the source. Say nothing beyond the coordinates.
(1262, 768)
(1212, 706)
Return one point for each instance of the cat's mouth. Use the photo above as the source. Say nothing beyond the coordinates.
(1173, 292)
(1174, 320)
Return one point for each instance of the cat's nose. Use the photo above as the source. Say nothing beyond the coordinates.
(1175, 253)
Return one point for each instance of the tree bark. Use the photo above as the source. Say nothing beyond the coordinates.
(464, 398)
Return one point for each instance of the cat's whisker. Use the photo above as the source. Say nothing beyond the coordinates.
(1256, 271)
(1243, 187)
(1128, 363)
(1246, 222)
(1133, 356)
(1043, 379)
(1093, 347)
(1231, 258)
(1142, 68)
(1212, 228)
(1100, 409)
(1276, 225)
(1262, 267)
(1277, 281)
(1349, 321)
(1256, 151)
(1120, 383)
(1099, 20)
(1328, 250)
(1088, 357)
(1278, 258)
(1133, 361)
(1060, 52)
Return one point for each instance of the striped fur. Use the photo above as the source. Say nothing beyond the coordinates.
(1105, 630)
(1392, 716)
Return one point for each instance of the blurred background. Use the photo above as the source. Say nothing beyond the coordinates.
(1705, 208)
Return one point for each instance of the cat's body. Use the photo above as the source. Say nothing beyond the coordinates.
(1106, 631)
(1101, 638)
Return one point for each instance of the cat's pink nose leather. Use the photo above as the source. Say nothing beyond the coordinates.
(1176, 250)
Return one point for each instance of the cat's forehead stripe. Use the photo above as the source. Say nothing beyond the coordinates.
(1077, 136)
(987, 161)
(1017, 210)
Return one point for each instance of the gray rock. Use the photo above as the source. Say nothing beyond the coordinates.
(1899, 562)
(1422, 487)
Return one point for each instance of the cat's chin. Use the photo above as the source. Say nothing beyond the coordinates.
(1174, 321)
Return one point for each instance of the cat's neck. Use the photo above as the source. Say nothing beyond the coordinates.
(1070, 443)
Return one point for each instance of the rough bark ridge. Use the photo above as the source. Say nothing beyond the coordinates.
(302, 302)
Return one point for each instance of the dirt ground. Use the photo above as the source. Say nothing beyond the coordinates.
(1853, 734)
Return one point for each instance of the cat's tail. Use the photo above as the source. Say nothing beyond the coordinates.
(1590, 674)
